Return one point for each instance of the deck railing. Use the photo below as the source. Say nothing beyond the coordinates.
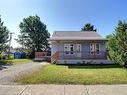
(54, 57)
(39, 56)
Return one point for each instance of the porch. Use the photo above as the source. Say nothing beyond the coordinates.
(61, 57)
(83, 57)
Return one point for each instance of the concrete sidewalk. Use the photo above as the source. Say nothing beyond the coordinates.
(63, 89)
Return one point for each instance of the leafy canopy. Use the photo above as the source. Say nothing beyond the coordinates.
(3, 35)
(33, 34)
(88, 27)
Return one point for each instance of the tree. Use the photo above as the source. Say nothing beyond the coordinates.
(3, 36)
(117, 44)
(33, 34)
(88, 27)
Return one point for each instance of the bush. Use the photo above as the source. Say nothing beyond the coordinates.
(2, 55)
(11, 56)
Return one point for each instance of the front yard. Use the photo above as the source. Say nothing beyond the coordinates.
(15, 61)
(72, 74)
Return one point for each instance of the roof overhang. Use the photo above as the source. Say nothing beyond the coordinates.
(52, 39)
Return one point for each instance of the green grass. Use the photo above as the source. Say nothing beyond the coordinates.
(15, 61)
(59, 74)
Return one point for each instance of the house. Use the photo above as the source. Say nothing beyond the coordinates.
(77, 47)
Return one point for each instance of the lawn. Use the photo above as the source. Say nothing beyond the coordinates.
(15, 61)
(72, 74)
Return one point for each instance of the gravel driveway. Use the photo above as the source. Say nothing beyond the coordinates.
(9, 73)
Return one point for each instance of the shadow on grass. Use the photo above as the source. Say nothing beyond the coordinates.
(92, 66)
(5, 63)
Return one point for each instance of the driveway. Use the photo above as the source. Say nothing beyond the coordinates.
(63, 89)
(9, 73)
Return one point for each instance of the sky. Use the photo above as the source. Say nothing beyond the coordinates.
(64, 15)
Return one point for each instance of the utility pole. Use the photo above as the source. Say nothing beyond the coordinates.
(10, 34)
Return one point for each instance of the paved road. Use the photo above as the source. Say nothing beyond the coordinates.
(9, 73)
(63, 89)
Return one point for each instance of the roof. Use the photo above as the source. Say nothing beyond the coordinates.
(75, 35)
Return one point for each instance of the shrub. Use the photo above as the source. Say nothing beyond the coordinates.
(11, 57)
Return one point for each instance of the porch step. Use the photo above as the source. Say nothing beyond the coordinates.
(84, 61)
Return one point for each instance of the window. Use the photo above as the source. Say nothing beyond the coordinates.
(66, 48)
(78, 48)
(69, 49)
(92, 48)
(97, 48)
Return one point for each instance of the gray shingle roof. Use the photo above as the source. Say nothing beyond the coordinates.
(75, 35)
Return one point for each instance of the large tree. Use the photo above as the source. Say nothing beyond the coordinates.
(33, 34)
(117, 44)
(3, 35)
(88, 27)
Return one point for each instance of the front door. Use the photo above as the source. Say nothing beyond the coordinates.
(78, 50)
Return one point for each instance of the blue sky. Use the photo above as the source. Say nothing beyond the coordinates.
(65, 14)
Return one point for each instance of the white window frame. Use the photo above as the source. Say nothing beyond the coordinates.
(68, 49)
(96, 48)
(73, 49)
(78, 48)
(92, 46)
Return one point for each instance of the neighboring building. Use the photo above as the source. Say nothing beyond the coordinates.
(19, 55)
(72, 47)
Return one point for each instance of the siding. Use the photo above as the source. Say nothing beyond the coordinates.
(85, 54)
(102, 46)
(54, 48)
(85, 49)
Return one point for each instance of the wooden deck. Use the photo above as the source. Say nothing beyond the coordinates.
(41, 56)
